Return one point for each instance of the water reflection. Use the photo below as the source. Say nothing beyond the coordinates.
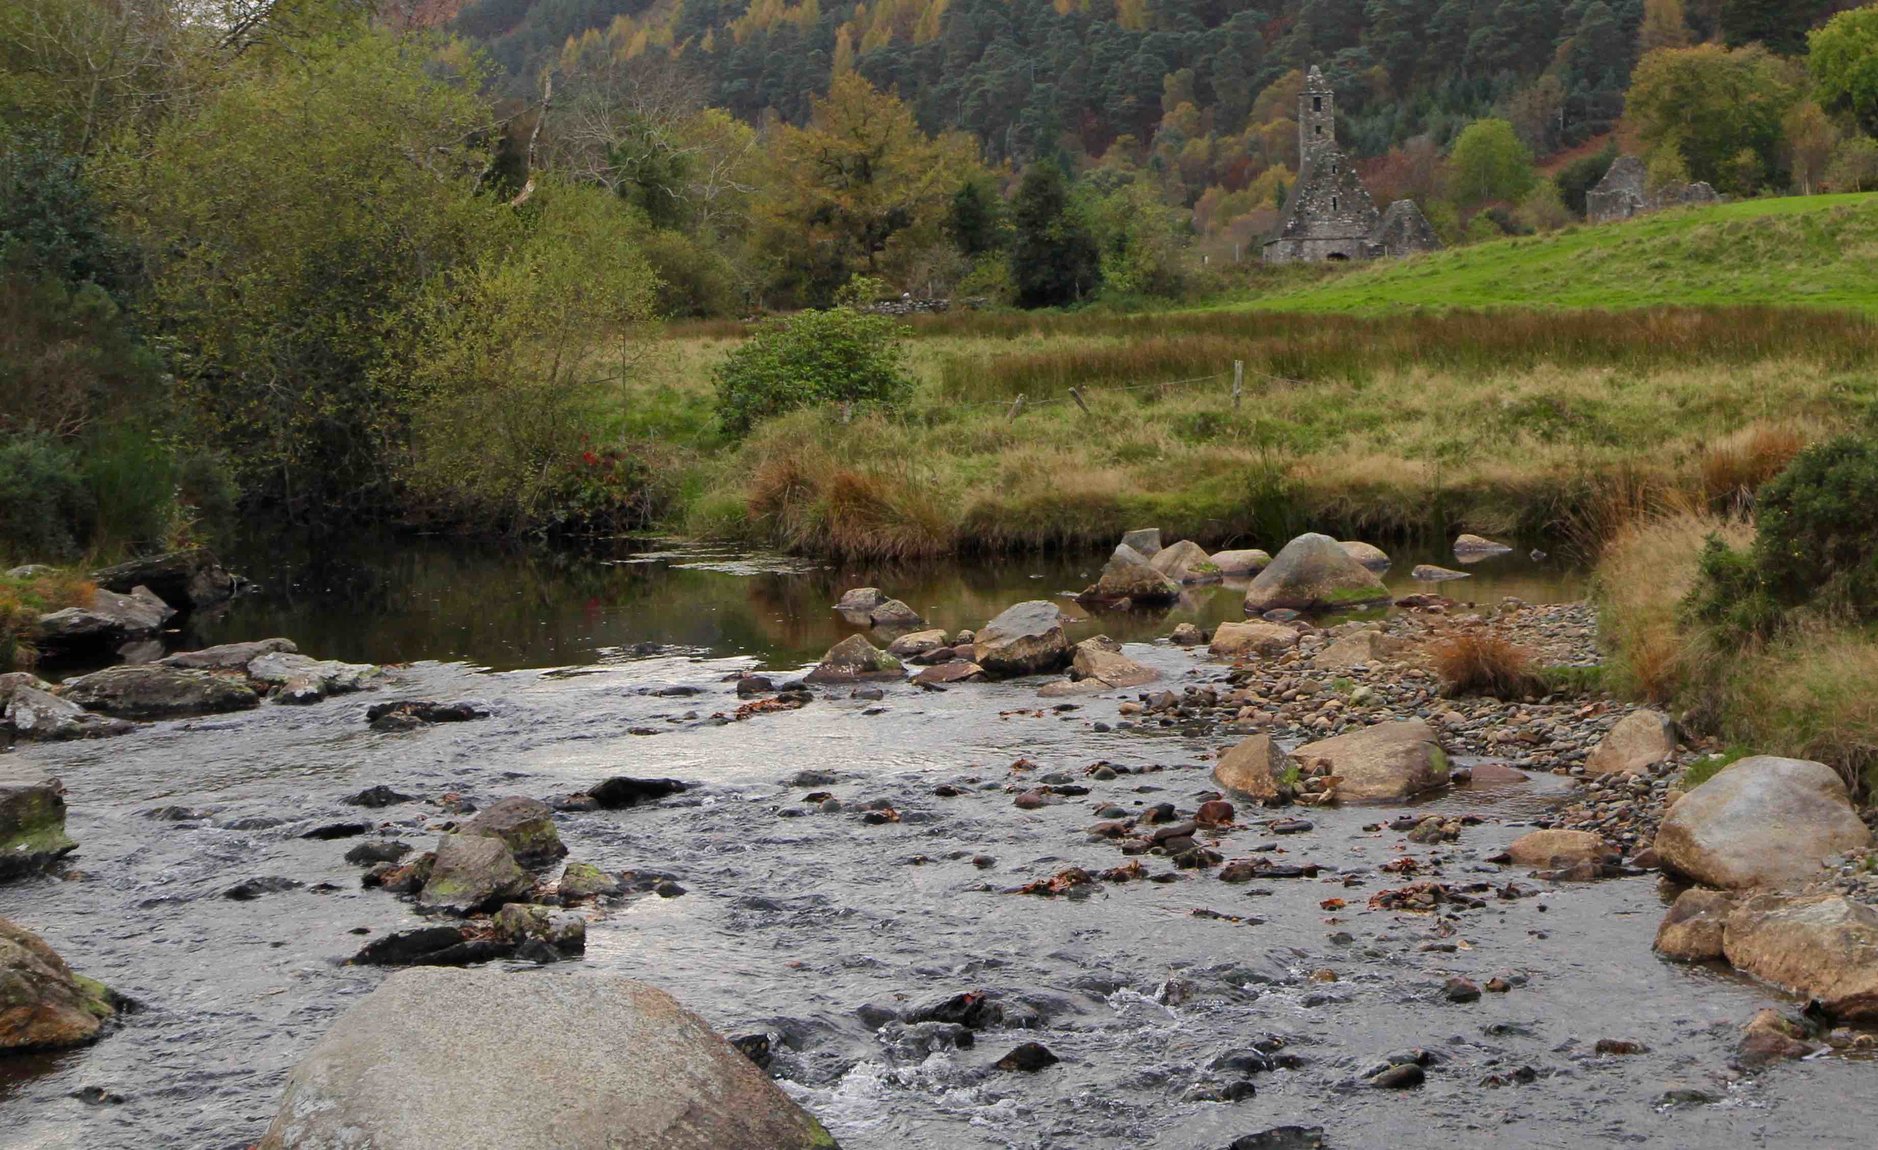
(381, 599)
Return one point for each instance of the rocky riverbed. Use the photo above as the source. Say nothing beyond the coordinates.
(890, 892)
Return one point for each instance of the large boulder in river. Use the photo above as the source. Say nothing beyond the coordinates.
(860, 600)
(894, 613)
(481, 1059)
(1145, 540)
(1257, 768)
(1368, 554)
(1474, 548)
(1313, 572)
(1098, 665)
(229, 656)
(1185, 562)
(32, 822)
(1128, 575)
(853, 660)
(293, 678)
(43, 1005)
(30, 710)
(149, 691)
(1823, 947)
(1249, 561)
(472, 873)
(525, 825)
(1237, 640)
(109, 620)
(192, 578)
(1762, 821)
(1639, 741)
(1026, 639)
(1382, 762)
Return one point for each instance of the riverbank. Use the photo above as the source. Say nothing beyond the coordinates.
(847, 864)
(1529, 424)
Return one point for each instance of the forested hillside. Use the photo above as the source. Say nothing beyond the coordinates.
(1040, 78)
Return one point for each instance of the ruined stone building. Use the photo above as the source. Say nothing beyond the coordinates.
(1625, 192)
(1329, 215)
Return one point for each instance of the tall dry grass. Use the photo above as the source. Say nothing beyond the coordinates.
(1646, 570)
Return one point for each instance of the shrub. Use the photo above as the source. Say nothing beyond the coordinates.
(1818, 528)
(836, 356)
(1730, 595)
(46, 512)
(1478, 663)
(608, 491)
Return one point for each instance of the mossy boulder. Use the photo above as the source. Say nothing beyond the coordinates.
(1257, 768)
(1368, 554)
(1247, 561)
(43, 1004)
(1313, 573)
(555, 1062)
(1761, 822)
(149, 691)
(1186, 562)
(525, 825)
(469, 873)
(1026, 639)
(1128, 577)
(854, 659)
(32, 823)
(582, 881)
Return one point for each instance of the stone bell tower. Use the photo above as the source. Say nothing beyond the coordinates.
(1317, 120)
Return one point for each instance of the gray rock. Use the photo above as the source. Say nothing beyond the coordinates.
(956, 672)
(1249, 561)
(32, 822)
(229, 656)
(860, 600)
(472, 873)
(1313, 572)
(1186, 562)
(47, 1007)
(295, 678)
(1128, 575)
(1098, 665)
(1429, 573)
(151, 691)
(1026, 639)
(30, 710)
(1383, 762)
(1473, 548)
(1146, 541)
(1256, 768)
(1639, 741)
(1360, 649)
(1762, 821)
(894, 613)
(484, 1059)
(110, 620)
(1368, 554)
(525, 825)
(916, 643)
(1822, 947)
(1234, 640)
(852, 660)
(192, 578)
(1692, 930)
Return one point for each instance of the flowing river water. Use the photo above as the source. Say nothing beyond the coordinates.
(811, 924)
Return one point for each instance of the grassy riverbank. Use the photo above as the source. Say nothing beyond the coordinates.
(1803, 693)
(1803, 251)
(1525, 424)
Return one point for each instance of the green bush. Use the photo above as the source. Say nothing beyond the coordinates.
(836, 356)
(132, 481)
(1730, 594)
(1817, 528)
(46, 512)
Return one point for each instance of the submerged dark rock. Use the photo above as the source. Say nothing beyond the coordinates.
(410, 714)
(376, 797)
(625, 791)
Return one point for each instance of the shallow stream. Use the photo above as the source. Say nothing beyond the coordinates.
(795, 919)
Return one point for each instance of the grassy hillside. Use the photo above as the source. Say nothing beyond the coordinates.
(1816, 251)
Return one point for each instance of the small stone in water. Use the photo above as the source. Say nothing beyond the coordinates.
(1029, 1058)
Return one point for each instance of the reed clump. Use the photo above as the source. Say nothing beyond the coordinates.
(1481, 663)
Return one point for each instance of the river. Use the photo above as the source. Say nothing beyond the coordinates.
(796, 920)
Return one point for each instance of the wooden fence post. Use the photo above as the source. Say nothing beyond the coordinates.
(1017, 405)
(1238, 381)
(1077, 396)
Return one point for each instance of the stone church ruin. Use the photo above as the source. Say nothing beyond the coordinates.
(1329, 215)
(1625, 192)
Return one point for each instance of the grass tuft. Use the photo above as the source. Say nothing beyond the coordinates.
(1481, 663)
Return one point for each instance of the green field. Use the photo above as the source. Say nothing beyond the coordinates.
(1813, 251)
